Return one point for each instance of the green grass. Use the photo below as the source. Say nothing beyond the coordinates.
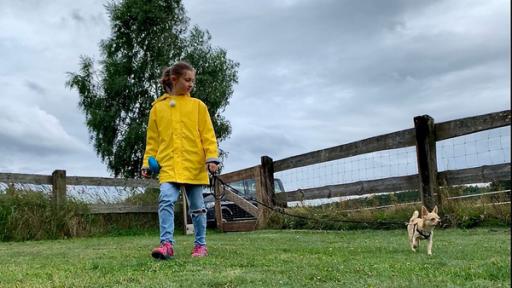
(270, 258)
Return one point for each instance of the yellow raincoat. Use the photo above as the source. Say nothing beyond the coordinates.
(180, 135)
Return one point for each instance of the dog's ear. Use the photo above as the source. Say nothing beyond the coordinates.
(435, 209)
(424, 211)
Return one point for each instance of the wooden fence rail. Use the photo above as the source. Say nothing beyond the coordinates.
(36, 179)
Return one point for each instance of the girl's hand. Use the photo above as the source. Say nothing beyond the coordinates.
(212, 167)
(144, 172)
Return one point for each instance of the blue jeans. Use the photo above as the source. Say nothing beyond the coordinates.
(169, 193)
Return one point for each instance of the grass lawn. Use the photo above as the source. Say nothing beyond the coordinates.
(269, 258)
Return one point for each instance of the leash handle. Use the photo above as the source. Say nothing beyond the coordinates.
(213, 183)
(213, 173)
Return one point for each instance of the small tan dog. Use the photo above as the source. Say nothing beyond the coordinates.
(422, 228)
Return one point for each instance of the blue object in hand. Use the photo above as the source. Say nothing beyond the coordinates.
(154, 167)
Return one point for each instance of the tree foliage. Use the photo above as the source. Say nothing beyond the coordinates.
(146, 35)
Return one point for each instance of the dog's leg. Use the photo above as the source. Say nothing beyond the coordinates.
(429, 247)
(410, 233)
(414, 243)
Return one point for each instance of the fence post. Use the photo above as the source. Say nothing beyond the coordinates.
(218, 208)
(59, 187)
(187, 228)
(427, 161)
(265, 189)
(11, 189)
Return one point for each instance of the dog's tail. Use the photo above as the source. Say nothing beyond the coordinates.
(414, 215)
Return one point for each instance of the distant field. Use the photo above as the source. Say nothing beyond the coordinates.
(365, 258)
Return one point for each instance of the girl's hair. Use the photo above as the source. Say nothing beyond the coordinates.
(175, 70)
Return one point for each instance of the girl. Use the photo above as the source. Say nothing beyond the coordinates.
(180, 136)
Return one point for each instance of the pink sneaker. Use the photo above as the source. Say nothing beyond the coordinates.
(199, 251)
(163, 252)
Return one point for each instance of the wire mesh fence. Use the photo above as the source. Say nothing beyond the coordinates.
(89, 194)
(6, 187)
(488, 147)
(370, 166)
(482, 148)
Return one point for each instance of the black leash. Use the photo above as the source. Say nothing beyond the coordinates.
(282, 211)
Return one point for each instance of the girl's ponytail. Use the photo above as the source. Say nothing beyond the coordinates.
(166, 79)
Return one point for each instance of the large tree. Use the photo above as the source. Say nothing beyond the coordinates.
(116, 97)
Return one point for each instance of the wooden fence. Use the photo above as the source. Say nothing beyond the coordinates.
(423, 136)
(59, 182)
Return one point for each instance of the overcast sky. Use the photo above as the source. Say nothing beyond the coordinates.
(313, 74)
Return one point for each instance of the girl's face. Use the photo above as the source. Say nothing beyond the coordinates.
(183, 85)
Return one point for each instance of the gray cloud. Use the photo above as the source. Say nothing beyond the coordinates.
(35, 87)
(331, 72)
(313, 74)
(76, 16)
(41, 127)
